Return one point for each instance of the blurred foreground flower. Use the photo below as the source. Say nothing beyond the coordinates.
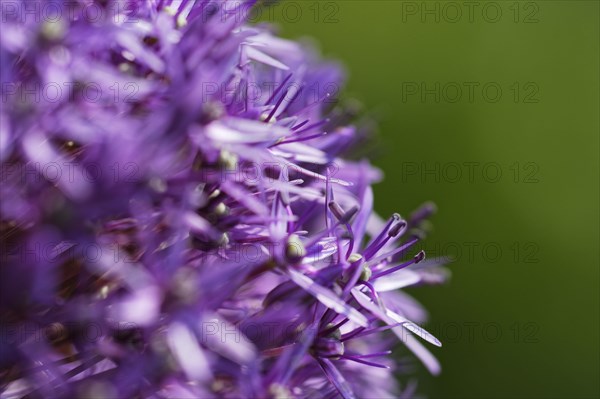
(177, 217)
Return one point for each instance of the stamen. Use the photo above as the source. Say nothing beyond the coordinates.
(397, 229)
(398, 251)
(375, 330)
(418, 258)
(377, 354)
(331, 348)
(334, 329)
(393, 232)
(314, 125)
(348, 216)
(298, 92)
(276, 92)
(300, 125)
(357, 360)
(371, 288)
(296, 140)
(275, 108)
(336, 209)
(395, 218)
(422, 213)
(352, 334)
(322, 234)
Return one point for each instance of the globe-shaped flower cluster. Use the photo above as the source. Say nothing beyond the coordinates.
(179, 217)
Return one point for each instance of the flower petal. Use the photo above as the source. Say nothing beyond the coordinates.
(337, 379)
(327, 297)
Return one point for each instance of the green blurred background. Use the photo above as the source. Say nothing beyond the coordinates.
(511, 161)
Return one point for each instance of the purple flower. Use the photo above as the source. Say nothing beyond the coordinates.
(181, 219)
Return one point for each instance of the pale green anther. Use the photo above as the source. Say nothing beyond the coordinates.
(128, 55)
(294, 249)
(158, 184)
(224, 240)
(124, 67)
(366, 273)
(279, 391)
(265, 115)
(104, 291)
(228, 160)
(181, 21)
(355, 257)
(212, 110)
(336, 334)
(170, 10)
(53, 30)
(221, 209)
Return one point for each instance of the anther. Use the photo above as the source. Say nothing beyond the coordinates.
(397, 229)
(294, 249)
(419, 257)
(227, 160)
(336, 209)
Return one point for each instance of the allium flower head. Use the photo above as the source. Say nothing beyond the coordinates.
(180, 219)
